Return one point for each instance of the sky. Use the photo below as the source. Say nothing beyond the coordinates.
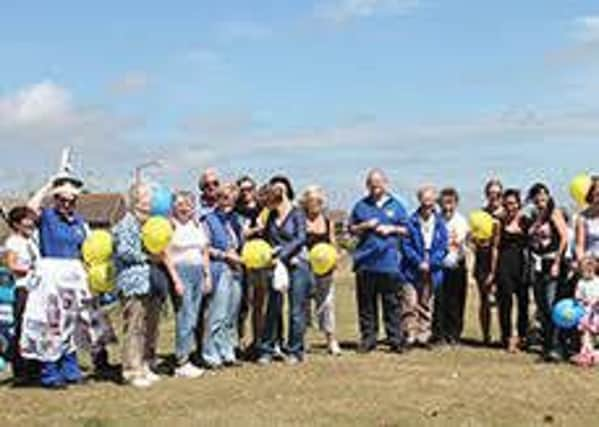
(448, 92)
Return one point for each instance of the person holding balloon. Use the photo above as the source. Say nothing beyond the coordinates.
(548, 240)
(485, 249)
(285, 231)
(587, 294)
(140, 242)
(321, 243)
(188, 252)
(587, 224)
(225, 241)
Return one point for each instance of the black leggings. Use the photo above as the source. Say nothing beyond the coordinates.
(510, 281)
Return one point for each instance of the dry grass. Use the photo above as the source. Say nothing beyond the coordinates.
(463, 387)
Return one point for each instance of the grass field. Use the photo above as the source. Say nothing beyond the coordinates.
(466, 386)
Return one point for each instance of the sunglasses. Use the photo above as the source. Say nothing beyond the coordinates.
(211, 184)
(66, 201)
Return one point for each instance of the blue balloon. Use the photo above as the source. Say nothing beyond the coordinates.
(2, 364)
(567, 313)
(162, 201)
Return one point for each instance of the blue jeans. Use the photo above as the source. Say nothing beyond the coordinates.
(64, 370)
(223, 312)
(300, 283)
(187, 308)
(545, 292)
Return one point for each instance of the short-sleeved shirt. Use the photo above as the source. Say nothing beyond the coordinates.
(376, 253)
(457, 230)
(27, 253)
(188, 242)
(61, 237)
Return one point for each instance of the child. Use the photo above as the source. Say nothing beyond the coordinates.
(587, 293)
(21, 258)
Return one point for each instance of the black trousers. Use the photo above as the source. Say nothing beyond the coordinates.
(24, 371)
(450, 301)
(511, 281)
(369, 286)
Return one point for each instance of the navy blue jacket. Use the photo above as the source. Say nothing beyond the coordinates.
(415, 252)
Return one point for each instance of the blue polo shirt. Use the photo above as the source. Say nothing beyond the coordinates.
(376, 253)
(61, 237)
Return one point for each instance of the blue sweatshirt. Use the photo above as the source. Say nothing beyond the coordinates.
(376, 253)
(289, 238)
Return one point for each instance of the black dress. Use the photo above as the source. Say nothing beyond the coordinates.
(511, 279)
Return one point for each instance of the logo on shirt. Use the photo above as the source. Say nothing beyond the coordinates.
(390, 213)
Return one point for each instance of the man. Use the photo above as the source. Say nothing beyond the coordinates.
(379, 221)
(449, 305)
(208, 184)
(425, 248)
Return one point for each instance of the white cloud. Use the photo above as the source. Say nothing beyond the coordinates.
(130, 83)
(340, 11)
(242, 30)
(587, 28)
(38, 120)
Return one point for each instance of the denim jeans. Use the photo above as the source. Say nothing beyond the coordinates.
(300, 282)
(187, 307)
(545, 292)
(223, 312)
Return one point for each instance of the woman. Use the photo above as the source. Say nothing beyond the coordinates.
(486, 258)
(139, 279)
(511, 271)
(587, 224)
(21, 258)
(319, 229)
(548, 240)
(225, 237)
(62, 231)
(188, 252)
(285, 230)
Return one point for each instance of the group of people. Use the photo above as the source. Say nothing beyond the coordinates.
(415, 263)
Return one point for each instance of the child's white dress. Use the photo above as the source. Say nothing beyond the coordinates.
(587, 292)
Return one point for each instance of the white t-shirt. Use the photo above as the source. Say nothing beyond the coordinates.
(588, 290)
(188, 242)
(28, 254)
(428, 230)
(457, 231)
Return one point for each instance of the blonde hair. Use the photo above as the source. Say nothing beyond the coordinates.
(313, 191)
(137, 192)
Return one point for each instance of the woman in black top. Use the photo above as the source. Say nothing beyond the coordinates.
(320, 230)
(548, 240)
(511, 271)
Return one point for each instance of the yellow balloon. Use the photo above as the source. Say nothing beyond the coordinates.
(323, 258)
(156, 234)
(101, 277)
(256, 254)
(579, 187)
(481, 225)
(97, 247)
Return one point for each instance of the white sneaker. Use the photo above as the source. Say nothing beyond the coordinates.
(334, 349)
(140, 382)
(150, 375)
(188, 371)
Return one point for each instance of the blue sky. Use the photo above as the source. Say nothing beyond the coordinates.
(432, 90)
